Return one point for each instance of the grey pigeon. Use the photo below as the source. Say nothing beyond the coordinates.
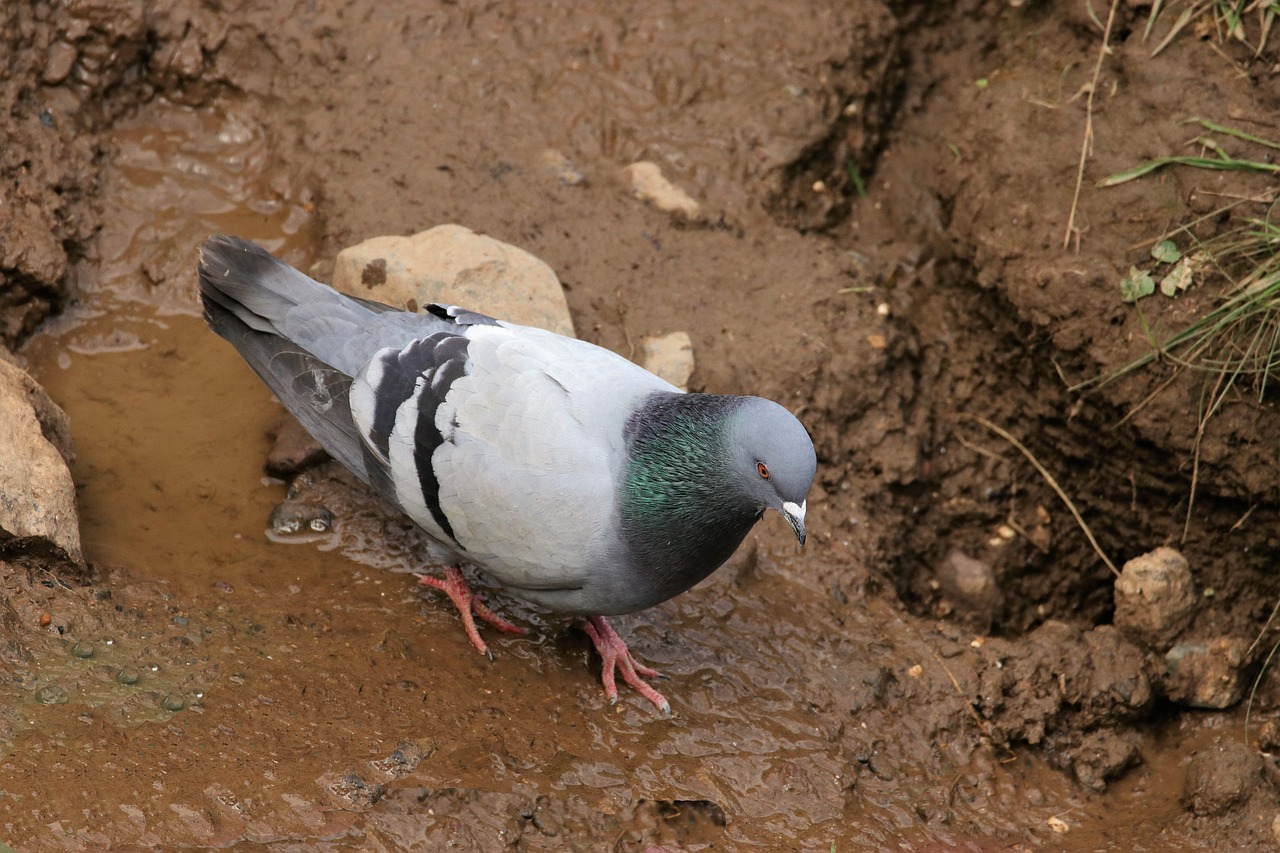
(579, 481)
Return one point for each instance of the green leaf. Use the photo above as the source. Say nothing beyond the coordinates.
(1136, 285)
(1178, 279)
(1165, 252)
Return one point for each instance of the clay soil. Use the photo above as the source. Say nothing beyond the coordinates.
(885, 246)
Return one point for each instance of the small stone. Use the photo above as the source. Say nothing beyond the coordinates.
(61, 59)
(52, 694)
(1155, 597)
(1206, 674)
(173, 703)
(292, 448)
(560, 167)
(649, 185)
(670, 357)
(82, 650)
(452, 265)
(970, 585)
(128, 676)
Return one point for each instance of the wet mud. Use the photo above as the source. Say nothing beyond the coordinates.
(879, 248)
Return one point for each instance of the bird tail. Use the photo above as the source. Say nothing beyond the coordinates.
(289, 329)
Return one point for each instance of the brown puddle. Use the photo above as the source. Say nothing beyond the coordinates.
(239, 691)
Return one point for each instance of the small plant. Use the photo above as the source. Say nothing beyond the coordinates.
(1236, 342)
(1178, 275)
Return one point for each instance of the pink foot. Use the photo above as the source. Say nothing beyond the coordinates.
(613, 649)
(455, 586)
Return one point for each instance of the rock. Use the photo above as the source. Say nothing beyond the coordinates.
(649, 185)
(1155, 598)
(37, 496)
(455, 266)
(671, 357)
(1207, 674)
(292, 448)
(1221, 777)
(970, 585)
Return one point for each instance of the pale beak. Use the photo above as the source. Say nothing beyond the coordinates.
(794, 514)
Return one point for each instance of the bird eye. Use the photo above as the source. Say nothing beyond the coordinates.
(763, 469)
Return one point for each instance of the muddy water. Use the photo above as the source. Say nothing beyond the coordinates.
(310, 692)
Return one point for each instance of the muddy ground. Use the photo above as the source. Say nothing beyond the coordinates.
(885, 194)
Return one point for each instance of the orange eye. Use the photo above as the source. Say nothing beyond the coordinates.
(763, 469)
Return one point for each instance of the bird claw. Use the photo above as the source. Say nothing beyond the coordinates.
(455, 586)
(616, 656)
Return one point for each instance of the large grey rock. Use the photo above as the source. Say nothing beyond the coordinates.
(1155, 598)
(455, 266)
(37, 496)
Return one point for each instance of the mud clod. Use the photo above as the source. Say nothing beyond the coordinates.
(1220, 778)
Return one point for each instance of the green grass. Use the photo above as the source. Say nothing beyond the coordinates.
(1236, 344)
(1228, 19)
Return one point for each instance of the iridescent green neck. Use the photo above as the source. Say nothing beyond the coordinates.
(678, 510)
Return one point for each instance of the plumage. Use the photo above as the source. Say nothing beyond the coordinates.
(578, 480)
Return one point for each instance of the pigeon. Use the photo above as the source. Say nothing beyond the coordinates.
(579, 481)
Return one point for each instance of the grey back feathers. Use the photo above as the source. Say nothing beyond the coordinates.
(580, 481)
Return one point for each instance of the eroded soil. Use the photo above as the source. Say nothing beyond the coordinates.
(199, 684)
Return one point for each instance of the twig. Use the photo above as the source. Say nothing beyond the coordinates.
(1048, 478)
(1086, 144)
(1240, 522)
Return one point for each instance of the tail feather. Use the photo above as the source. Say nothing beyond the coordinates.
(251, 299)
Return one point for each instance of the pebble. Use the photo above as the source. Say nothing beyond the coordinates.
(52, 694)
(61, 59)
(562, 169)
(292, 448)
(670, 357)
(971, 586)
(652, 187)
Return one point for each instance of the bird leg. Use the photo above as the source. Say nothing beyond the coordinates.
(613, 649)
(455, 586)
